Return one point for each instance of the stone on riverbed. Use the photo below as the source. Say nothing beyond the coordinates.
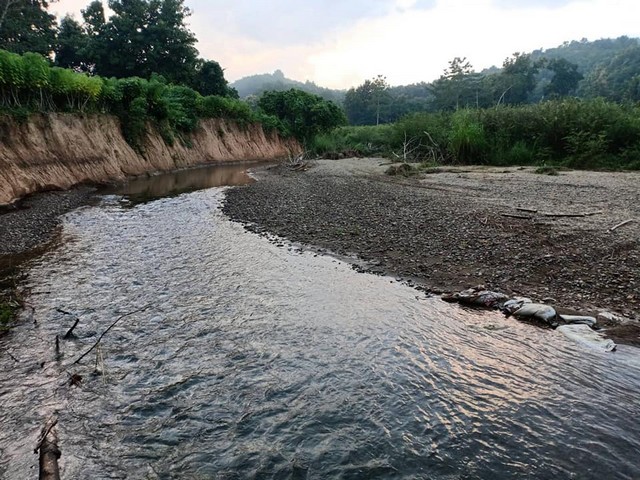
(584, 335)
(477, 297)
(536, 311)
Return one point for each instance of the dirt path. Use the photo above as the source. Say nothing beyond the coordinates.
(449, 231)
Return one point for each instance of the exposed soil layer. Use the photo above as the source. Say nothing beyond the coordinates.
(448, 230)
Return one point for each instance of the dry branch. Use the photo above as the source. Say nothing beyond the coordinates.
(70, 331)
(107, 331)
(571, 215)
(621, 224)
(511, 215)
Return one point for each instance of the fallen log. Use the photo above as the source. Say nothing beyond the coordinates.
(513, 215)
(49, 452)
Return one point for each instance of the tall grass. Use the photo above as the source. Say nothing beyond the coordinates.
(569, 132)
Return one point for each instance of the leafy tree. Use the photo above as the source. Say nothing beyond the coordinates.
(517, 79)
(71, 45)
(140, 38)
(303, 114)
(209, 79)
(458, 87)
(26, 26)
(618, 79)
(565, 77)
(367, 104)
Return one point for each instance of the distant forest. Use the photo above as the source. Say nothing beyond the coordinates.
(606, 68)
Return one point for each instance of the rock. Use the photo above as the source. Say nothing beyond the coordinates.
(511, 306)
(477, 298)
(537, 311)
(578, 320)
(587, 337)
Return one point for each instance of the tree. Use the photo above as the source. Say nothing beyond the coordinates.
(565, 77)
(140, 38)
(209, 79)
(517, 79)
(71, 45)
(366, 104)
(458, 87)
(303, 114)
(26, 26)
(618, 79)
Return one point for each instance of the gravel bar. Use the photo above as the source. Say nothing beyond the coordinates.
(509, 229)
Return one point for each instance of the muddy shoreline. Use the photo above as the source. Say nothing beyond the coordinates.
(461, 227)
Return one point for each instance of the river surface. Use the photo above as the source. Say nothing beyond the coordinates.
(247, 358)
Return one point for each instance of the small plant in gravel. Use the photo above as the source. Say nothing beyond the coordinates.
(547, 170)
(6, 314)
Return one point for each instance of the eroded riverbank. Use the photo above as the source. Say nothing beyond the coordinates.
(449, 230)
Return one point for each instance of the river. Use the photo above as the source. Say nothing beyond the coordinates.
(250, 358)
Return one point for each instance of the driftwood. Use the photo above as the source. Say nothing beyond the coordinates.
(564, 215)
(553, 214)
(621, 224)
(49, 452)
(107, 331)
(69, 333)
(512, 215)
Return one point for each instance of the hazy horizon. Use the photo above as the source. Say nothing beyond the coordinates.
(339, 44)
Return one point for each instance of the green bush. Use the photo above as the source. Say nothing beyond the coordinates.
(29, 84)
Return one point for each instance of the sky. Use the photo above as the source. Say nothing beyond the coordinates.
(340, 43)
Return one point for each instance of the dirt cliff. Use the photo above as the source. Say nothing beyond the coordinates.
(57, 151)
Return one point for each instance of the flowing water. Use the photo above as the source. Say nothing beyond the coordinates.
(252, 360)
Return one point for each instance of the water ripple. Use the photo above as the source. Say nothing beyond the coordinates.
(255, 361)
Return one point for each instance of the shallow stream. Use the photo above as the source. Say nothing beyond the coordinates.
(253, 360)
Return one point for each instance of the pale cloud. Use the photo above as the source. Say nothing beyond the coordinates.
(340, 43)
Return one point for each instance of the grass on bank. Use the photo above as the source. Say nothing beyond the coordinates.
(571, 133)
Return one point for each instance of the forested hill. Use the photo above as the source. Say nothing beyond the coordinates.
(588, 55)
(276, 81)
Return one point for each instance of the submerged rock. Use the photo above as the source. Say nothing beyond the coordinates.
(584, 335)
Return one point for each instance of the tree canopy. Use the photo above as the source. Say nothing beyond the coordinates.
(26, 26)
(303, 114)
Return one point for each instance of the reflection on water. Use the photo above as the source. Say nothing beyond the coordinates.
(254, 361)
(145, 188)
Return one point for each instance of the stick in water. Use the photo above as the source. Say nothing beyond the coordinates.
(107, 330)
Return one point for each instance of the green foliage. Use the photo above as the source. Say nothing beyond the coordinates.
(28, 83)
(303, 114)
(368, 103)
(6, 315)
(467, 141)
(570, 132)
(364, 140)
(26, 26)
(71, 44)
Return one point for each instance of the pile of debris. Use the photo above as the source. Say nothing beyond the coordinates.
(580, 328)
